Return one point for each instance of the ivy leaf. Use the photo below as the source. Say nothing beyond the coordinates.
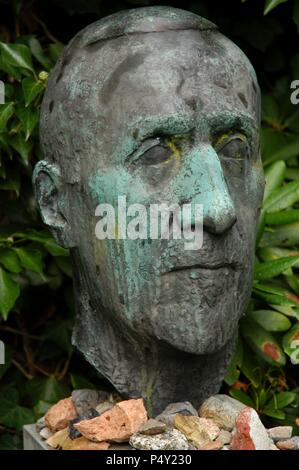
(80, 382)
(12, 181)
(15, 416)
(55, 51)
(31, 89)
(6, 111)
(9, 292)
(17, 55)
(30, 259)
(29, 120)
(271, 4)
(22, 146)
(10, 260)
(38, 52)
(46, 389)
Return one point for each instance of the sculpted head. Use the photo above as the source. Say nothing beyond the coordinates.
(156, 105)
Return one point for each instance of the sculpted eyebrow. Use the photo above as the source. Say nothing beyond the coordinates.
(162, 125)
(227, 122)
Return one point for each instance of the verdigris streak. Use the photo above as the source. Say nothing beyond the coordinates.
(154, 104)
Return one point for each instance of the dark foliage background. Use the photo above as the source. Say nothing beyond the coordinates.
(36, 307)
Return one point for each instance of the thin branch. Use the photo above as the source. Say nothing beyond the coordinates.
(18, 332)
(22, 370)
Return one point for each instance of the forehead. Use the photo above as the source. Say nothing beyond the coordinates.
(106, 92)
(186, 74)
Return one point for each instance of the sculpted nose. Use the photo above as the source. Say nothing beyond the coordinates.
(210, 189)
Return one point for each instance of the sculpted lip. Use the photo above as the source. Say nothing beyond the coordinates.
(202, 266)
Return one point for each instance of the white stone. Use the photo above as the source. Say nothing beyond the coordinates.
(169, 440)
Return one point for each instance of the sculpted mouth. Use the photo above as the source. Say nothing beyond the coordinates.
(204, 266)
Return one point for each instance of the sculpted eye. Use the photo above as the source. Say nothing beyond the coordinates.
(234, 146)
(153, 152)
(156, 155)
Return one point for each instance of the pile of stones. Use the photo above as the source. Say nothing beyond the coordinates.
(93, 420)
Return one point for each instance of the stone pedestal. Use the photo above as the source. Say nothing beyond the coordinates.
(32, 440)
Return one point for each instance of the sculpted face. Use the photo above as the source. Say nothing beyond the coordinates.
(182, 129)
(162, 117)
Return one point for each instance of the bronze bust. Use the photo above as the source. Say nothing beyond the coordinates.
(156, 105)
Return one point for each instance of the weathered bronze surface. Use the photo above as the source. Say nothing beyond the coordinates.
(157, 105)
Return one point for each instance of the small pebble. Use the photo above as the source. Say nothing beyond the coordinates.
(45, 433)
(280, 432)
(289, 444)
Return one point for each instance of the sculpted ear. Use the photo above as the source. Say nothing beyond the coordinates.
(52, 201)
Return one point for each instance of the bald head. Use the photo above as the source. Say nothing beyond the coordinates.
(144, 65)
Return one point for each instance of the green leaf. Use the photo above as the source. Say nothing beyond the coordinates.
(282, 198)
(38, 53)
(251, 370)
(22, 146)
(283, 217)
(41, 408)
(290, 343)
(262, 342)
(286, 235)
(277, 414)
(271, 253)
(15, 416)
(79, 382)
(281, 400)
(30, 259)
(10, 260)
(6, 111)
(29, 119)
(288, 151)
(9, 292)
(233, 371)
(292, 312)
(10, 442)
(12, 181)
(271, 4)
(17, 55)
(46, 389)
(31, 89)
(242, 397)
(270, 269)
(55, 51)
(271, 320)
(274, 176)
(10, 70)
(54, 249)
